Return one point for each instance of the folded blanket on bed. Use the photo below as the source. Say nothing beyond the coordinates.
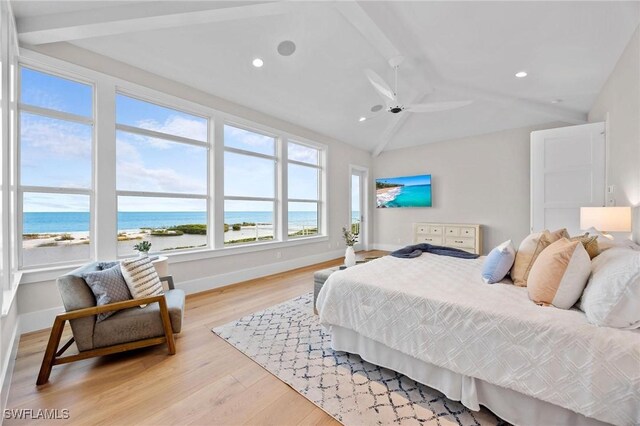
(410, 252)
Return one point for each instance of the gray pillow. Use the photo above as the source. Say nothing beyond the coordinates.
(108, 286)
(107, 265)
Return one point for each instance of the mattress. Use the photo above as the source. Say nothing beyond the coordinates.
(438, 310)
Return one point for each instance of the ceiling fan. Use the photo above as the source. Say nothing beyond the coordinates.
(391, 96)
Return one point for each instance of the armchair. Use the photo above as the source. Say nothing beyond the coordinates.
(131, 327)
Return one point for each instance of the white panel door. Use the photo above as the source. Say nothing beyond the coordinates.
(567, 172)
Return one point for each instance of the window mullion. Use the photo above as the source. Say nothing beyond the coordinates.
(218, 182)
(283, 190)
(105, 206)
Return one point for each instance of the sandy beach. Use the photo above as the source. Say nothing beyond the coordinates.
(69, 246)
(385, 195)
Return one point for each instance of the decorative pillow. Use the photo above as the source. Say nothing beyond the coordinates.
(559, 274)
(612, 295)
(108, 286)
(141, 277)
(590, 244)
(529, 251)
(498, 263)
(107, 265)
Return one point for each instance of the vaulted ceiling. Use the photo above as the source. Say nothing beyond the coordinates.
(452, 50)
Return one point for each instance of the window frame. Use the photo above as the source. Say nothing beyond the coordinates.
(22, 189)
(276, 179)
(208, 146)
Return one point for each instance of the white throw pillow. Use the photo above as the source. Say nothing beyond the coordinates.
(141, 277)
(498, 263)
(612, 295)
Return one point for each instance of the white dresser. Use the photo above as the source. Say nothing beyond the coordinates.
(465, 236)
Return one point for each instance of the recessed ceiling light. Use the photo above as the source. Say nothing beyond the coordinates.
(362, 118)
(257, 62)
(376, 108)
(521, 74)
(286, 48)
(556, 101)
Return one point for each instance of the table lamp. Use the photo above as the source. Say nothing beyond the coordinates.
(606, 219)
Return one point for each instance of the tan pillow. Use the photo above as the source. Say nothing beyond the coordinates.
(529, 250)
(560, 274)
(590, 244)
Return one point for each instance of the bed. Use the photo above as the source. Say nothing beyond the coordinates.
(433, 319)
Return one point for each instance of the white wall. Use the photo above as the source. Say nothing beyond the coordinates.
(619, 100)
(481, 179)
(38, 300)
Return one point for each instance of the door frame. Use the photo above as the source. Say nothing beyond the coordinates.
(363, 243)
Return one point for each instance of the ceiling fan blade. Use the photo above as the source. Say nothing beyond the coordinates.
(380, 85)
(437, 106)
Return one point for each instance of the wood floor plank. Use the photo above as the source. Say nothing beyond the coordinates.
(207, 381)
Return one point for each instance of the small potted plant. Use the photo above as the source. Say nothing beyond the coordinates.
(350, 239)
(143, 248)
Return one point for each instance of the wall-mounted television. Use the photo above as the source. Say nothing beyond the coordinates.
(404, 191)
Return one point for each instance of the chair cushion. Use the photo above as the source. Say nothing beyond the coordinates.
(108, 286)
(76, 294)
(134, 324)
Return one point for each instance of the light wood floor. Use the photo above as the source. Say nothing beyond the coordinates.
(206, 382)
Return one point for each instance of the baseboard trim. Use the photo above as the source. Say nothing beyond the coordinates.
(387, 247)
(7, 368)
(229, 278)
(38, 320)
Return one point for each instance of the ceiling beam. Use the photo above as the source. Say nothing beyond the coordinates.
(552, 111)
(139, 17)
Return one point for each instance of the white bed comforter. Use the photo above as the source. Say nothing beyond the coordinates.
(437, 309)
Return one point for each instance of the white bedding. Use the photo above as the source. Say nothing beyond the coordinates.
(437, 309)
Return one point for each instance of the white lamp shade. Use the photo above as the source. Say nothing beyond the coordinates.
(606, 219)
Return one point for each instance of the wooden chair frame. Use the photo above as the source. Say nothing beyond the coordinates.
(53, 356)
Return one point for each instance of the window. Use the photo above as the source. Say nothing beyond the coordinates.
(55, 151)
(161, 176)
(249, 186)
(304, 176)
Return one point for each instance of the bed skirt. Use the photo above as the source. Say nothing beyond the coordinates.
(512, 406)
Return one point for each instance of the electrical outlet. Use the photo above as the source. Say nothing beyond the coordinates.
(278, 255)
(329, 246)
(337, 243)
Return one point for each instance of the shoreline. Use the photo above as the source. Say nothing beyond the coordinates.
(386, 195)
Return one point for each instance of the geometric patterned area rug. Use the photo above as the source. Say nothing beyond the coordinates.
(288, 341)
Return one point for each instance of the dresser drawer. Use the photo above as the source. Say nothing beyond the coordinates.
(467, 232)
(435, 230)
(461, 242)
(431, 239)
(422, 229)
(451, 231)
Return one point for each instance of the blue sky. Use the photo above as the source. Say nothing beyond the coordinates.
(408, 180)
(58, 153)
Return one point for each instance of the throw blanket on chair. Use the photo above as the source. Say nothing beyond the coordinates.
(409, 252)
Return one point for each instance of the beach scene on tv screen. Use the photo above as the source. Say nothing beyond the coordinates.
(405, 191)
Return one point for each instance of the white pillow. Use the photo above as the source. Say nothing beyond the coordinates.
(498, 263)
(612, 295)
(141, 277)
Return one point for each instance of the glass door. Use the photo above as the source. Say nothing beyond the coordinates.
(358, 206)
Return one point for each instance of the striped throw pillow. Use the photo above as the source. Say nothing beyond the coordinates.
(141, 277)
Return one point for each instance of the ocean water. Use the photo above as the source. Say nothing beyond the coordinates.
(412, 196)
(49, 222)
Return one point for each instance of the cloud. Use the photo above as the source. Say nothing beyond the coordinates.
(302, 153)
(245, 139)
(55, 138)
(179, 126)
